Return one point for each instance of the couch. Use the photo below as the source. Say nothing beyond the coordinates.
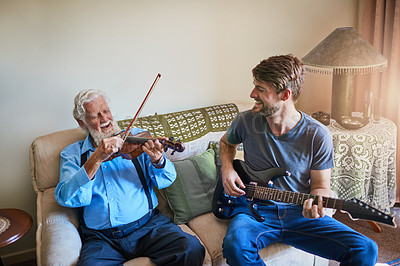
(57, 237)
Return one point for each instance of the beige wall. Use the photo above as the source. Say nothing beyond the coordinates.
(49, 50)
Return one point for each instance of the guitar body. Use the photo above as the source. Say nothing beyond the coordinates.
(225, 206)
(259, 188)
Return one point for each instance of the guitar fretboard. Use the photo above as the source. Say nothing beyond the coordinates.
(265, 193)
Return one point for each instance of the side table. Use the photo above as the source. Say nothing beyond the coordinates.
(365, 162)
(14, 224)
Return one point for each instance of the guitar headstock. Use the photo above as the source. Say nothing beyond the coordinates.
(358, 209)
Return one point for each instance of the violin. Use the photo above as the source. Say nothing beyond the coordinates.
(132, 147)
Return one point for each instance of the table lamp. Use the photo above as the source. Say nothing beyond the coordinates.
(345, 54)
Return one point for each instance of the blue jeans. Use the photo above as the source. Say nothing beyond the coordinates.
(159, 238)
(325, 237)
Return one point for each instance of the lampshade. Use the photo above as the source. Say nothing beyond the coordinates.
(344, 51)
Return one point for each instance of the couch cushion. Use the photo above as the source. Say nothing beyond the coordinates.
(212, 232)
(195, 147)
(145, 261)
(191, 193)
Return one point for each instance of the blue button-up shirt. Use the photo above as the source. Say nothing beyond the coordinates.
(115, 196)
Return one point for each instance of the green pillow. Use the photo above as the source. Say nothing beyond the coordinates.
(192, 192)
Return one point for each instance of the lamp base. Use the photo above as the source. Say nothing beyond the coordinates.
(351, 122)
(342, 96)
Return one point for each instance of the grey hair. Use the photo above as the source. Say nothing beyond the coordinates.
(83, 97)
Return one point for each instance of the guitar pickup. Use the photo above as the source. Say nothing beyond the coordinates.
(250, 190)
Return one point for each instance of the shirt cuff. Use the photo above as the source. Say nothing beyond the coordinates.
(160, 164)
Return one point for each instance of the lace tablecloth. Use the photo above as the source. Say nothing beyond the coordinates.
(365, 163)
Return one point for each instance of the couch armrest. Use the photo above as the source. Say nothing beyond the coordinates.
(57, 238)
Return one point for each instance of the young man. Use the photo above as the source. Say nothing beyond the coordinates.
(117, 203)
(275, 134)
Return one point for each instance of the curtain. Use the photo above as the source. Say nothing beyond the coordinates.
(379, 23)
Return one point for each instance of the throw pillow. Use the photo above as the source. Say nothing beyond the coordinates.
(192, 192)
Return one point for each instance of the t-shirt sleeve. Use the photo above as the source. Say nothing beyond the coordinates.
(234, 134)
(323, 151)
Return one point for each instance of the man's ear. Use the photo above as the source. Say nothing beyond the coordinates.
(286, 94)
(82, 124)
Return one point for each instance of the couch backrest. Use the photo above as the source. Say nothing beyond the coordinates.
(45, 156)
(188, 126)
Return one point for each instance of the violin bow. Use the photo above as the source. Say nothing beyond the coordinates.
(141, 106)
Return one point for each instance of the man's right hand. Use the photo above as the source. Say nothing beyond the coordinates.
(108, 147)
(230, 179)
(232, 183)
(103, 152)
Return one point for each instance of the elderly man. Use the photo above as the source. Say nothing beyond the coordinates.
(118, 219)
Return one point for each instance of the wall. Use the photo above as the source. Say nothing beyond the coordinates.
(205, 51)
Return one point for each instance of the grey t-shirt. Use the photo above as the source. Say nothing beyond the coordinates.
(307, 146)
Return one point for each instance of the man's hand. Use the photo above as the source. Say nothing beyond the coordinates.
(154, 149)
(229, 181)
(108, 147)
(103, 152)
(311, 211)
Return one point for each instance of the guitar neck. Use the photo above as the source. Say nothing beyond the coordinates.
(355, 208)
(265, 193)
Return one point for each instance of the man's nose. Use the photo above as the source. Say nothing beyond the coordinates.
(103, 118)
(253, 93)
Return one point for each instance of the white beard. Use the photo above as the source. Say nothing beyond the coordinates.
(98, 136)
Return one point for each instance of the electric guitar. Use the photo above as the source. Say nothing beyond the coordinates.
(225, 207)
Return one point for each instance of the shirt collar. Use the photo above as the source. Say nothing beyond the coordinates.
(87, 145)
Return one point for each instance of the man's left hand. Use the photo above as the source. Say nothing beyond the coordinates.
(154, 149)
(311, 210)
